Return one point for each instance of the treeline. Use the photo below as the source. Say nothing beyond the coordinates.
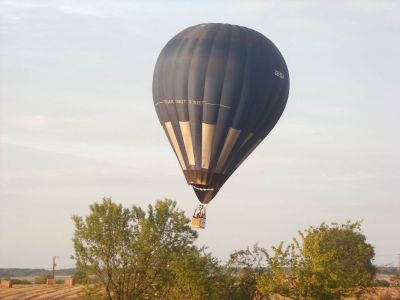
(132, 253)
(20, 272)
(387, 270)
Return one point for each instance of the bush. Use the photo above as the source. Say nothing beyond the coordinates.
(42, 279)
(380, 283)
(80, 277)
(20, 281)
(330, 262)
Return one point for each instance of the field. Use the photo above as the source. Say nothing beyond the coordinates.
(40, 291)
(43, 291)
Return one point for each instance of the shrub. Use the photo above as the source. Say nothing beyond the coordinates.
(42, 279)
(20, 281)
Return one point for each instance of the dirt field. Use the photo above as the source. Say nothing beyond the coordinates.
(40, 291)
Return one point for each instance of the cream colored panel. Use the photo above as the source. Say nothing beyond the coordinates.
(172, 137)
(187, 140)
(230, 141)
(206, 144)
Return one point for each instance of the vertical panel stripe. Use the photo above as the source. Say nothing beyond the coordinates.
(206, 144)
(187, 140)
(172, 138)
(230, 141)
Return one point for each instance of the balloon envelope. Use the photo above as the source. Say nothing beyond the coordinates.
(218, 91)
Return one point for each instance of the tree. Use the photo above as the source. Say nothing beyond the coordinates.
(101, 244)
(80, 277)
(286, 273)
(331, 262)
(246, 266)
(198, 275)
(137, 254)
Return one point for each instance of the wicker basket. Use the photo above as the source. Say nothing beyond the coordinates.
(198, 222)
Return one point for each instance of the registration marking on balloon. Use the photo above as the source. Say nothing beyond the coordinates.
(279, 74)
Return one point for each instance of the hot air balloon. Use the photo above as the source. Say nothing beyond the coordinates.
(218, 90)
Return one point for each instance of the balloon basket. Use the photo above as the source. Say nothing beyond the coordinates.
(199, 223)
(199, 217)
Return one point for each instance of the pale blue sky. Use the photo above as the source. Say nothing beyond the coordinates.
(77, 122)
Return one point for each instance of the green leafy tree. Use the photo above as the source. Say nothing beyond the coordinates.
(331, 262)
(101, 244)
(286, 273)
(80, 277)
(198, 275)
(137, 254)
(245, 267)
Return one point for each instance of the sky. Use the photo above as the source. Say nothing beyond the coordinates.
(77, 122)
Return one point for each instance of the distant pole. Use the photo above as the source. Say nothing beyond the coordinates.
(54, 266)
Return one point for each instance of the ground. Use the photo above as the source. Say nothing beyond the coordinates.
(59, 291)
(40, 291)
